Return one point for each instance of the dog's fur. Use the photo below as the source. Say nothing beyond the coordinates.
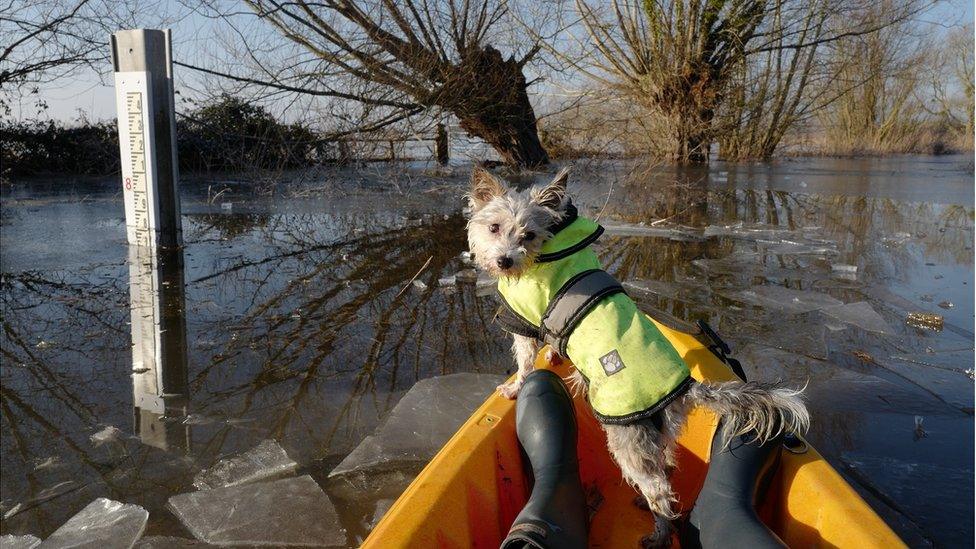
(644, 452)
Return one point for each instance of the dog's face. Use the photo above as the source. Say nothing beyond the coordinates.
(507, 228)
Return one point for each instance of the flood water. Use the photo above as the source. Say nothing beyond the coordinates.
(303, 321)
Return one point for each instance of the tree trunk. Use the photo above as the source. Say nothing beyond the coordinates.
(489, 98)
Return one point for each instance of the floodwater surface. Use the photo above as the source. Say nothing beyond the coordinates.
(304, 310)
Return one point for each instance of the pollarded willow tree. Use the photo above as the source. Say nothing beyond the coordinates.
(738, 72)
(416, 56)
(673, 57)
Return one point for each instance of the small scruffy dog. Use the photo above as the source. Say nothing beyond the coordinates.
(640, 389)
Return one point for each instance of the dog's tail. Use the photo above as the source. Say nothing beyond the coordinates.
(765, 409)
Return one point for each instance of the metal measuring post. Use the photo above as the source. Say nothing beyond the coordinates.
(143, 64)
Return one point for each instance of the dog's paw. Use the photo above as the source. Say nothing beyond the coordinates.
(509, 390)
(552, 357)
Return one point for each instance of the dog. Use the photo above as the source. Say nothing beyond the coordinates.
(507, 234)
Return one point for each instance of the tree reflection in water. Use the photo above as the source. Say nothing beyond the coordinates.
(305, 327)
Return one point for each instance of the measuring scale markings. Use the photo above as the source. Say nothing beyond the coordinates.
(137, 161)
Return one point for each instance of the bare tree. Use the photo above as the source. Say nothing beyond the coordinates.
(952, 86)
(416, 56)
(672, 57)
(739, 72)
(44, 40)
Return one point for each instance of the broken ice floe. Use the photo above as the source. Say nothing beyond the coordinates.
(169, 542)
(946, 384)
(671, 232)
(266, 461)
(787, 300)
(859, 314)
(106, 435)
(749, 231)
(19, 542)
(44, 495)
(483, 284)
(103, 524)
(424, 419)
(293, 511)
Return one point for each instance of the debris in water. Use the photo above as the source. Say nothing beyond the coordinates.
(926, 298)
(919, 430)
(971, 373)
(19, 542)
(842, 270)
(108, 434)
(419, 284)
(104, 523)
(863, 357)
(226, 206)
(859, 314)
(43, 344)
(946, 304)
(266, 461)
(926, 321)
(292, 511)
(424, 419)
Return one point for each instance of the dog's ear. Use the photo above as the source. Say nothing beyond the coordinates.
(484, 187)
(553, 195)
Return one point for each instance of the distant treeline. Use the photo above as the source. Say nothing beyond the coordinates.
(227, 134)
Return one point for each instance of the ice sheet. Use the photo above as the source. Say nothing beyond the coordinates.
(169, 542)
(19, 542)
(614, 228)
(787, 300)
(265, 461)
(287, 512)
(103, 524)
(860, 314)
(423, 420)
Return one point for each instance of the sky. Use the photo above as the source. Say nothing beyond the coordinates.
(200, 41)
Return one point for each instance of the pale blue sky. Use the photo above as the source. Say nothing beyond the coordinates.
(199, 42)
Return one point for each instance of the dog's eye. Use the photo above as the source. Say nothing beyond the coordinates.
(528, 237)
(493, 228)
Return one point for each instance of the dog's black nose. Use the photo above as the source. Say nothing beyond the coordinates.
(504, 262)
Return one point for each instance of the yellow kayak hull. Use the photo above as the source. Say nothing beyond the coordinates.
(470, 493)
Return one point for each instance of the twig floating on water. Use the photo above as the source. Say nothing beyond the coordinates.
(414, 277)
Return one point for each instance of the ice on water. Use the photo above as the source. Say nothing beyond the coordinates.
(19, 542)
(267, 460)
(169, 542)
(614, 228)
(424, 419)
(282, 513)
(860, 314)
(787, 300)
(103, 524)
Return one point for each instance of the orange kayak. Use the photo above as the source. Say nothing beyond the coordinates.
(471, 492)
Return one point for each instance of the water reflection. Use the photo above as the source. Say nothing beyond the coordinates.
(160, 388)
(305, 320)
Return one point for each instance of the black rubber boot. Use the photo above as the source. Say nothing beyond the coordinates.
(725, 513)
(555, 515)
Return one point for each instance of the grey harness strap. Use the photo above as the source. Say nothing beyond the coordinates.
(571, 303)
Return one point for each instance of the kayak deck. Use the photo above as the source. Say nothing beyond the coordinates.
(471, 492)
